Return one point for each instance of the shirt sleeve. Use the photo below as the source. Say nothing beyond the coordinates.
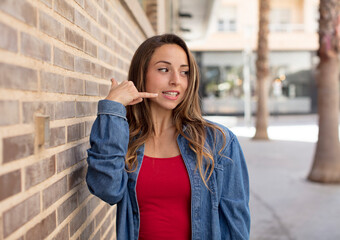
(106, 176)
(234, 211)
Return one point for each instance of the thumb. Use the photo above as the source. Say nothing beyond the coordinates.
(113, 82)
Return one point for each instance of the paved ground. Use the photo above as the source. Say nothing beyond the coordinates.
(284, 205)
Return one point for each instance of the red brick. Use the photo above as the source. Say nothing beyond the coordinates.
(50, 26)
(74, 86)
(22, 10)
(9, 38)
(48, 3)
(30, 108)
(67, 207)
(118, 76)
(75, 132)
(64, 9)
(88, 127)
(65, 110)
(82, 65)
(109, 8)
(90, 48)
(118, 49)
(108, 40)
(54, 192)
(51, 82)
(91, 9)
(35, 47)
(16, 77)
(96, 33)
(107, 73)
(96, 235)
(96, 70)
(76, 177)
(39, 172)
(103, 21)
(104, 90)
(109, 234)
(62, 234)
(10, 184)
(120, 63)
(83, 192)
(71, 156)
(77, 221)
(105, 56)
(57, 136)
(73, 39)
(80, 2)
(20, 214)
(85, 235)
(91, 88)
(17, 147)
(120, 34)
(81, 21)
(44, 228)
(101, 4)
(101, 215)
(11, 108)
(86, 109)
(63, 59)
(116, 19)
(106, 224)
(92, 204)
(112, 29)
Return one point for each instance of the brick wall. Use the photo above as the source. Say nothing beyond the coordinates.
(56, 59)
(150, 7)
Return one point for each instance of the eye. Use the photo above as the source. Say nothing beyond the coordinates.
(163, 69)
(186, 73)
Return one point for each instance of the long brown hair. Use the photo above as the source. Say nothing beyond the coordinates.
(187, 113)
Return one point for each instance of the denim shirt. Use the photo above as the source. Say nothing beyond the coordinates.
(220, 212)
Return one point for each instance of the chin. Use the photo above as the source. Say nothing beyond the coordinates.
(166, 106)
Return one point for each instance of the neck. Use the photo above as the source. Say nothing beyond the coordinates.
(162, 120)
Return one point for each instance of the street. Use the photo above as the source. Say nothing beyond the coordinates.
(284, 205)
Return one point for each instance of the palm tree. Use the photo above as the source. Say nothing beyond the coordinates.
(262, 71)
(326, 165)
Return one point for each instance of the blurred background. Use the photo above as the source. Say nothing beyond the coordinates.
(223, 36)
(56, 60)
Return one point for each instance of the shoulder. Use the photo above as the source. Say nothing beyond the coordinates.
(218, 135)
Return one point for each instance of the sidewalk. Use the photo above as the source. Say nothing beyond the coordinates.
(284, 205)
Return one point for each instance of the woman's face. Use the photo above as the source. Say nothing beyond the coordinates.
(167, 75)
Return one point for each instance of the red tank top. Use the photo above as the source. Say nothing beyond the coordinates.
(164, 199)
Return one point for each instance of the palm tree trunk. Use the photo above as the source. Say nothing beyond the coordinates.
(262, 72)
(326, 165)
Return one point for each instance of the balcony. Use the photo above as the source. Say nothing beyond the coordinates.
(286, 27)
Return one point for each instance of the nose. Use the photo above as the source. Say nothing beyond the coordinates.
(175, 78)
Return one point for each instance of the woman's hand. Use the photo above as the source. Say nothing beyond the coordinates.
(126, 93)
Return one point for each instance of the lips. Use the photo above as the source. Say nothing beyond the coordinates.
(172, 95)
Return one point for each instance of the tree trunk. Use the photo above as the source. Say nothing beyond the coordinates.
(326, 165)
(262, 72)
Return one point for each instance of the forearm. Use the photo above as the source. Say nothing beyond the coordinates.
(106, 176)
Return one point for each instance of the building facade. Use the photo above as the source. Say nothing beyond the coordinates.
(227, 56)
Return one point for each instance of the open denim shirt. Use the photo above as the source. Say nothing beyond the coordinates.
(220, 212)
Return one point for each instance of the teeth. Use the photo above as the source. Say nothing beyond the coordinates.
(171, 93)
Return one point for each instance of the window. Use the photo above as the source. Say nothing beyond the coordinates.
(227, 19)
(280, 20)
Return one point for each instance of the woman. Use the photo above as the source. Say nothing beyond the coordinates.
(172, 174)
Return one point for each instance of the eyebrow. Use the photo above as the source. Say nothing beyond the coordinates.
(183, 65)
